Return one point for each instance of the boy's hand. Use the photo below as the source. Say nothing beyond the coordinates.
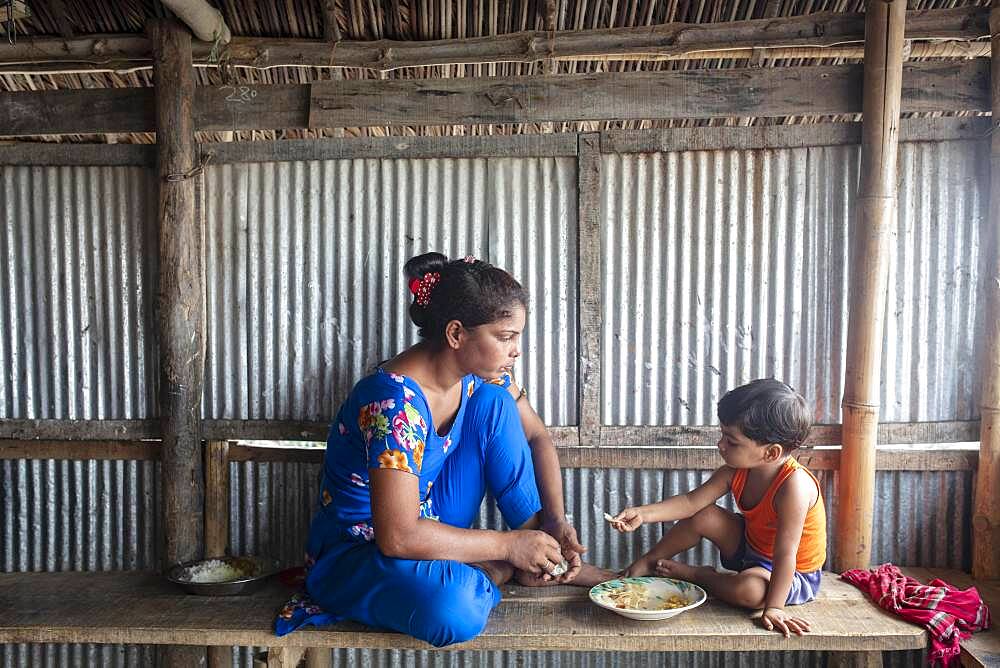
(776, 619)
(628, 520)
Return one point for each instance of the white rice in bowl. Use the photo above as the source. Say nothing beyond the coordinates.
(217, 570)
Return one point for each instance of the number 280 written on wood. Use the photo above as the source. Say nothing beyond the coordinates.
(239, 94)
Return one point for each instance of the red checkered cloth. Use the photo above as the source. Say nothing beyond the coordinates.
(949, 614)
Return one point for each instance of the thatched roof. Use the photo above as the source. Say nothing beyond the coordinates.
(416, 20)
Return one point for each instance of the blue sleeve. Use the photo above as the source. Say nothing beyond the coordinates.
(394, 428)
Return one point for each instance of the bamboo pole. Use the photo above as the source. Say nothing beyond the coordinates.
(986, 511)
(253, 54)
(871, 237)
(181, 308)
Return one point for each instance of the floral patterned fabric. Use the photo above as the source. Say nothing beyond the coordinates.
(385, 423)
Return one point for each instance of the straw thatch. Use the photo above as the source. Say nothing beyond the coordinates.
(418, 20)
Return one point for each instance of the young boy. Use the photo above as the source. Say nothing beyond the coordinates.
(778, 544)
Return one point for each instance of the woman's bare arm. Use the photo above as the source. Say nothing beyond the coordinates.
(400, 533)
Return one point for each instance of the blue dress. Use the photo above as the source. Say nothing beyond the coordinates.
(386, 423)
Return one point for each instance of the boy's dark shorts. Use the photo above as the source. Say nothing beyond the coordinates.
(805, 586)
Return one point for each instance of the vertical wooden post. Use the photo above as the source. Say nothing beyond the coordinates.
(986, 513)
(216, 498)
(549, 16)
(331, 33)
(180, 307)
(588, 220)
(217, 523)
(319, 657)
(870, 246)
(854, 660)
(284, 657)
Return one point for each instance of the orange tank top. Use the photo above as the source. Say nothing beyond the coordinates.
(762, 521)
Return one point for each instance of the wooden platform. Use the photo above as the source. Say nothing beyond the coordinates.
(127, 607)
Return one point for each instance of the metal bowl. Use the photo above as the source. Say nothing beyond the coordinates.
(254, 571)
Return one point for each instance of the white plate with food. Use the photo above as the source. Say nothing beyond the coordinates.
(648, 598)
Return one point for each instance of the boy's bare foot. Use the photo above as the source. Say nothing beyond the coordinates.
(638, 568)
(591, 575)
(588, 576)
(500, 572)
(669, 568)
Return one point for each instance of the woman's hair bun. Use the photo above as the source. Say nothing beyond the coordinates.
(471, 291)
(419, 265)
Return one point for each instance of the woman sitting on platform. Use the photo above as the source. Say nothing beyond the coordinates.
(408, 462)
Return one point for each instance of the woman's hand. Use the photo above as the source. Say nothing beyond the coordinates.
(533, 551)
(776, 619)
(565, 534)
(628, 520)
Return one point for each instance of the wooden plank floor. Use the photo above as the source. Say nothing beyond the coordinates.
(127, 607)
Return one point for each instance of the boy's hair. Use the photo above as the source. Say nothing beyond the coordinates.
(767, 411)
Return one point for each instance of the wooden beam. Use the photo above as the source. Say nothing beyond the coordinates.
(71, 111)
(81, 450)
(562, 144)
(181, 306)
(819, 435)
(69, 154)
(638, 457)
(871, 235)
(963, 128)
(986, 512)
(637, 96)
(821, 35)
(795, 91)
(22, 434)
(687, 458)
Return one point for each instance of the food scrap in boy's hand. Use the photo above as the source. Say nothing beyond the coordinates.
(609, 518)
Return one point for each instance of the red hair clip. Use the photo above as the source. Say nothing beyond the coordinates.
(421, 287)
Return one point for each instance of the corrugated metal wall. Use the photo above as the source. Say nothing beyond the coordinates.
(723, 266)
(304, 271)
(76, 300)
(920, 516)
(299, 255)
(76, 292)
